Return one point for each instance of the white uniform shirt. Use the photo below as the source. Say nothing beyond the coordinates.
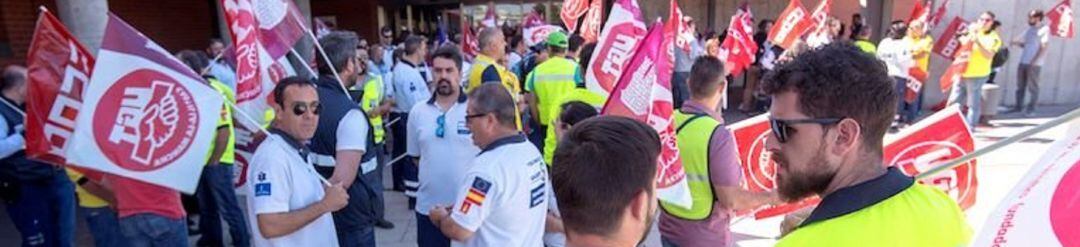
(502, 199)
(410, 87)
(443, 160)
(351, 136)
(281, 182)
(897, 56)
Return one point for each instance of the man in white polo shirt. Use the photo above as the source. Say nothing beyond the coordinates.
(288, 203)
(442, 143)
(502, 199)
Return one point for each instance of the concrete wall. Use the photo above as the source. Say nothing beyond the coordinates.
(1060, 78)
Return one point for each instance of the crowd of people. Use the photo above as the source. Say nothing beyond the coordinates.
(508, 148)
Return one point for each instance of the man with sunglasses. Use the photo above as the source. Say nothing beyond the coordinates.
(711, 161)
(440, 142)
(501, 200)
(831, 108)
(343, 148)
(288, 204)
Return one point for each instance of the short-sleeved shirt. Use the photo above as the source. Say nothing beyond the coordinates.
(502, 198)
(979, 64)
(351, 136)
(724, 170)
(443, 160)
(137, 197)
(410, 86)
(920, 46)
(283, 181)
(1034, 36)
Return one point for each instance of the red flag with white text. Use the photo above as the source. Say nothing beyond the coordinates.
(1040, 210)
(790, 25)
(590, 27)
(618, 41)
(1061, 20)
(676, 24)
(571, 11)
(949, 43)
(738, 48)
(644, 93)
(58, 69)
(146, 115)
(933, 141)
(280, 25)
(921, 12)
(955, 70)
(469, 45)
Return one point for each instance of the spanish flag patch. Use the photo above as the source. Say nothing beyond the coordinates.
(477, 193)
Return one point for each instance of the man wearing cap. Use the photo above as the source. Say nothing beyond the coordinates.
(550, 81)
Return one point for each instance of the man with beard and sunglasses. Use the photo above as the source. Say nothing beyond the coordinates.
(440, 142)
(831, 108)
(604, 178)
(288, 203)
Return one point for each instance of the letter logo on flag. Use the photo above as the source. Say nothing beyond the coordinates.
(58, 70)
(949, 43)
(1041, 209)
(1061, 20)
(739, 48)
(146, 116)
(791, 24)
(679, 27)
(590, 27)
(619, 39)
(644, 93)
(571, 11)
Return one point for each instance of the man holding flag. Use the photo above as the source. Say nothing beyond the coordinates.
(919, 45)
(830, 111)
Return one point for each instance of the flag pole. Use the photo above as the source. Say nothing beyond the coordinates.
(323, 52)
(305, 65)
(1074, 114)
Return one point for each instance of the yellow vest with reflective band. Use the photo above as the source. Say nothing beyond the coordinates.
(550, 81)
(226, 119)
(373, 95)
(577, 94)
(693, 136)
(920, 215)
(476, 72)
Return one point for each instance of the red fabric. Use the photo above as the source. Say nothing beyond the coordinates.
(590, 28)
(491, 19)
(939, 14)
(917, 78)
(949, 43)
(791, 24)
(279, 39)
(571, 11)
(136, 197)
(682, 31)
(739, 47)
(956, 69)
(920, 12)
(820, 16)
(469, 45)
(240, 16)
(58, 70)
(1061, 20)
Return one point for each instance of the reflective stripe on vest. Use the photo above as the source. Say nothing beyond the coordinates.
(693, 141)
(552, 80)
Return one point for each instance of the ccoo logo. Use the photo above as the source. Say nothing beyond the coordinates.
(146, 119)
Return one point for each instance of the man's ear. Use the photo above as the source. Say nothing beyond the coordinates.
(848, 135)
(639, 207)
(278, 110)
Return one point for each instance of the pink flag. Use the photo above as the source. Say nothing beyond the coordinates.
(538, 34)
(644, 93)
(791, 24)
(739, 48)
(1061, 20)
(678, 26)
(533, 19)
(571, 11)
(590, 27)
(491, 19)
(280, 25)
(618, 41)
(146, 115)
(58, 71)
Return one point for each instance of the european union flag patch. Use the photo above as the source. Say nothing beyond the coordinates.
(262, 189)
(477, 194)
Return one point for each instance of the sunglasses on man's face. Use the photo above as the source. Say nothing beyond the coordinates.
(781, 128)
(299, 108)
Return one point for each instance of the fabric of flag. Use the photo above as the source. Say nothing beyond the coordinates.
(677, 25)
(955, 70)
(790, 25)
(738, 49)
(240, 15)
(590, 27)
(538, 34)
(916, 79)
(949, 43)
(618, 41)
(469, 45)
(818, 34)
(321, 29)
(643, 92)
(571, 11)
(938, 15)
(533, 19)
(491, 19)
(920, 12)
(1041, 209)
(58, 69)
(280, 25)
(476, 195)
(146, 115)
(1061, 20)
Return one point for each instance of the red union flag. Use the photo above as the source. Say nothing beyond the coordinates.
(739, 48)
(1041, 209)
(956, 69)
(146, 115)
(921, 12)
(949, 43)
(916, 79)
(1061, 20)
(644, 93)
(931, 142)
(938, 15)
(571, 11)
(469, 44)
(280, 25)
(680, 28)
(58, 69)
(242, 26)
(590, 27)
(791, 24)
(537, 34)
(622, 33)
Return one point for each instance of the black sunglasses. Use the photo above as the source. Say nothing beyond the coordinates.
(300, 108)
(781, 127)
(471, 116)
